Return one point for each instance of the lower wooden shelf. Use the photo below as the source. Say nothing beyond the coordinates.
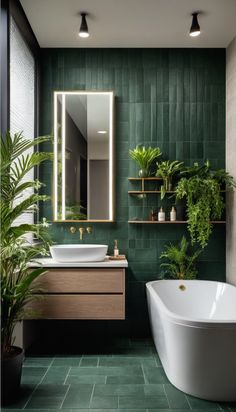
(155, 222)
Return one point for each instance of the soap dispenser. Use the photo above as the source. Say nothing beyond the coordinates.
(173, 214)
(161, 215)
(116, 250)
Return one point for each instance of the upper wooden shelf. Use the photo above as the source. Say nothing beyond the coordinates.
(140, 192)
(145, 178)
(170, 222)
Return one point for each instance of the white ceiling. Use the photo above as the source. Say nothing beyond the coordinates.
(131, 23)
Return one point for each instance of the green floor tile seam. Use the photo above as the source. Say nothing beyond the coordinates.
(30, 397)
(65, 396)
(188, 402)
(144, 377)
(49, 366)
(166, 395)
(64, 383)
(91, 397)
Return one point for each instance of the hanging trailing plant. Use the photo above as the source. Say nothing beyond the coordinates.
(201, 187)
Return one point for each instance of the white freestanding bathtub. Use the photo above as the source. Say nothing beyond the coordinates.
(194, 329)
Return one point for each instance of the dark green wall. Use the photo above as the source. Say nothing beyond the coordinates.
(172, 98)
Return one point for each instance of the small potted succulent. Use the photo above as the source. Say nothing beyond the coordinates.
(145, 157)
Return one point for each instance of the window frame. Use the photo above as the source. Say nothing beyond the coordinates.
(13, 8)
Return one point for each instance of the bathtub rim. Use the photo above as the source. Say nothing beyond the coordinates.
(187, 321)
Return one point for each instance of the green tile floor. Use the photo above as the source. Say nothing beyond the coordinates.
(127, 376)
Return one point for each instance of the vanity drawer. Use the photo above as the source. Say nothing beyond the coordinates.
(78, 307)
(82, 281)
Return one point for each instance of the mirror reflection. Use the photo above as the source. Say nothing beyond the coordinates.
(83, 156)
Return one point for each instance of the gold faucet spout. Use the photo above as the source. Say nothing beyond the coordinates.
(81, 232)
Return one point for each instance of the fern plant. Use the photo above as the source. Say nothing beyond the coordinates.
(179, 263)
(16, 252)
(145, 157)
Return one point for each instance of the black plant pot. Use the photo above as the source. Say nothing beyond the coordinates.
(11, 369)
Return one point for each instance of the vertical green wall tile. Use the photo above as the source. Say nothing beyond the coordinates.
(172, 98)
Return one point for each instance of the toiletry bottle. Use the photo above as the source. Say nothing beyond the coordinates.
(173, 214)
(161, 215)
(116, 250)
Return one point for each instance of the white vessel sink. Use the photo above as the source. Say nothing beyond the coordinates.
(78, 253)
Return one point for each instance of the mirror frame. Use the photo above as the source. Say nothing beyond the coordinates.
(63, 93)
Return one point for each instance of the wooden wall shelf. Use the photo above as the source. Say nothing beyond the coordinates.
(141, 192)
(155, 222)
(145, 178)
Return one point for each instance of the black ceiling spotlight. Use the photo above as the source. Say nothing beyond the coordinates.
(195, 28)
(83, 31)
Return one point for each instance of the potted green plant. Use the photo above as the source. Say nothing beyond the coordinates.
(201, 186)
(145, 156)
(16, 251)
(179, 262)
(166, 170)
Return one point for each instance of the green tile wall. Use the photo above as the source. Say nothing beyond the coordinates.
(173, 98)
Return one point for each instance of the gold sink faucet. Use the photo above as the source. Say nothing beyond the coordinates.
(82, 231)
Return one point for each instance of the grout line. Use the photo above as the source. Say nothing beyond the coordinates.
(188, 402)
(158, 362)
(67, 375)
(38, 385)
(91, 397)
(145, 380)
(65, 396)
(166, 395)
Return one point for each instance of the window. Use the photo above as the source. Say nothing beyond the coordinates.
(22, 96)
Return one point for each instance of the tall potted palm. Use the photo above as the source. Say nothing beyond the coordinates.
(16, 251)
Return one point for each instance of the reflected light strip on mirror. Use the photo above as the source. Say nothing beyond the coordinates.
(55, 169)
(111, 157)
(63, 158)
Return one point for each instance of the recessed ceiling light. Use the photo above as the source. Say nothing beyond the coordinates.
(83, 31)
(102, 131)
(195, 28)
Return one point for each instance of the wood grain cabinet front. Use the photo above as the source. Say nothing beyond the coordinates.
(79, 294)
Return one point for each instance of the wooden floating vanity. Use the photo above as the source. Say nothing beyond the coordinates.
(82, 292)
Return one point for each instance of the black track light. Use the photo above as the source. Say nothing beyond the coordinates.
(195, 28)
(83, 31)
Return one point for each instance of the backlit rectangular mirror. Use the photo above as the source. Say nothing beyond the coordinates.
(83, 156)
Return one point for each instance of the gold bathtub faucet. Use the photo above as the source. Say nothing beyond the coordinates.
(82, 231)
